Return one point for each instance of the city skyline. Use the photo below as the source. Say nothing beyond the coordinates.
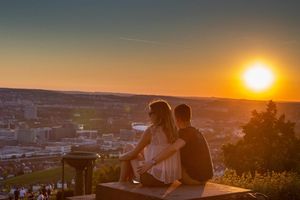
(161, 48)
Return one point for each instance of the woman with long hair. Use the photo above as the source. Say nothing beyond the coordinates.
(161, 134)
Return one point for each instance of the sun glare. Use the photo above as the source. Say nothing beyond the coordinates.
(259, 77)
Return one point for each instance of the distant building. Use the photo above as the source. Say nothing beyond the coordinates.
(87, 133)
(34, 135)
(27, 170)
(139, 129)
(8, 137)
(100, 141)
(8, 134)
(30, 112)
(79, 141)
(42, 134)
(108, 136)
(127, 135)
(64, 131)
(26, 136)
(8, 152)
(111, 145)
(58, 149)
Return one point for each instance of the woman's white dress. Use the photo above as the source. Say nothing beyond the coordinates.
(168, 170)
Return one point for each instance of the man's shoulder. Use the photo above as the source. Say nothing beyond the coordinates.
(190, 129)
(188, 132)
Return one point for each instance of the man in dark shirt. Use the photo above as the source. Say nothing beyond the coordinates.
(195, 156)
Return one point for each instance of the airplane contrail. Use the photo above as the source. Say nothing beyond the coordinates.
(140, 40)
(153, 42)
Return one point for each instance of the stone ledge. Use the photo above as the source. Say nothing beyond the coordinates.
(177, 191)
(84, 197)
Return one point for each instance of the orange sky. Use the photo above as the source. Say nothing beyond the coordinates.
(187, 51)
(170, 76)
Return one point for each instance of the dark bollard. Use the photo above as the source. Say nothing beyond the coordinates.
(79, 182)
(83, 162)
(89, 178)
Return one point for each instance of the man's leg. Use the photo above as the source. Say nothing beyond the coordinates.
(148, 180)
(186, 179)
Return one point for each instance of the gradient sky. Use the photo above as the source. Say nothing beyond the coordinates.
(181, 48)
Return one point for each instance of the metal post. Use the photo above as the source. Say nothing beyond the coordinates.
(89, 178)
(79, 182)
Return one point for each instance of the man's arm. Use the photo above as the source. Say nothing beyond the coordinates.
(166, 153)
(169, 151)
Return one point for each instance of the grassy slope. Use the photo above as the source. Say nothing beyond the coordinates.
(45, 176)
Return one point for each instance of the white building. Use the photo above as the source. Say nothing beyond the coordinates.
(42, 134)
(8, 152)
(8, 134)
(58, 149)
(108, 136)
(87, 133)
(139, 127)
(127, 135)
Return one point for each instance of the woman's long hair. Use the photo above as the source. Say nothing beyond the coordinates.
(163, 112)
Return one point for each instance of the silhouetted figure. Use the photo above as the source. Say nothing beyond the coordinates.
(48, 192)
(30, 195)
(41, 196)
(44, 192)
(17, 194)
(11, 193)
(22, 193)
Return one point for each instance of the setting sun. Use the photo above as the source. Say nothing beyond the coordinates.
(259, 77)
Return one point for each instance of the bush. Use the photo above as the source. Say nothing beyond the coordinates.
(284, 185)
(107, 173)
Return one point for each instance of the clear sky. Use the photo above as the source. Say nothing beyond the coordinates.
(181, 48)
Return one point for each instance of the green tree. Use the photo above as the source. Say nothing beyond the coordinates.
(269, 144)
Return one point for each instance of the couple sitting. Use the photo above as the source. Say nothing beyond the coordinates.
(165, 154)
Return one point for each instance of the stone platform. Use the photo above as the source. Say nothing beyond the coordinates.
(177, 191)
(83, 197)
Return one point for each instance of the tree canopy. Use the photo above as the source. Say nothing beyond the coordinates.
(269, 144)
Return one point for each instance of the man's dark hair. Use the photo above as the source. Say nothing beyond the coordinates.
(183, 112)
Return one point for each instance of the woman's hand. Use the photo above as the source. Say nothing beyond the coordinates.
(126, 156)
(145, 167)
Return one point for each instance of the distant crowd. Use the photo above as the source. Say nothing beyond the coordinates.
(24, 193)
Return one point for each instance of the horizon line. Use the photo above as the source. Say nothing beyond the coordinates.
(149, 94)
